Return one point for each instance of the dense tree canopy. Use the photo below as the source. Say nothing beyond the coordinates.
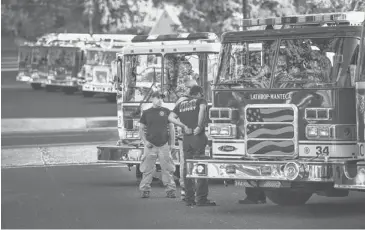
(32, 18)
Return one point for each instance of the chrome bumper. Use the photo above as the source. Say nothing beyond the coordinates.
(128, 154)
(289, 171)
(23, 78)
(62, 83)
(98, 88)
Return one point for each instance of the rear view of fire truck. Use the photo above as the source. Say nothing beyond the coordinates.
(151, 63)
(288, 107)
(97, 72)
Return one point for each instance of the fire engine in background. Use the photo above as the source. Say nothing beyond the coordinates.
(34, 58)
(152, 63)
(288, 108)
(96, 73)
(66, 59)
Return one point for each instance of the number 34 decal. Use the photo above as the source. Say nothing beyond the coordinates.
(322, 150)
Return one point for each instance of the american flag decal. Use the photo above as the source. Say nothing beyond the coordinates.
(270, 130)
(270, 115)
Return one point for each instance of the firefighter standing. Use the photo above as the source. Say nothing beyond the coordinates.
(156, 145)
(188, 83)
(191, 114)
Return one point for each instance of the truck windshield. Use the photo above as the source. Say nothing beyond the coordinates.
(25, 55)
(142, 72)
(62, 57)
(307, 62)
(183, 67)
(98, 57)
(316, 63)
(39, 56)
(246, 64)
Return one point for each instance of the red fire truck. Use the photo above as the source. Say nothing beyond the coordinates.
(288, 108)
(97, 73)
(156, 62)
(51, 57)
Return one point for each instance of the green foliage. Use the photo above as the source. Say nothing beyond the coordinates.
(32, 18)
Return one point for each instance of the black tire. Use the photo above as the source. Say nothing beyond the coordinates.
(69, 90)
(111, 98)
(51, 88)
(287, 197)
(36, 86)
(88, 94)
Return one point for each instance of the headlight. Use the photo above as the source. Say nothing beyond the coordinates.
(323, 132)
(222, 130)
(312, 131)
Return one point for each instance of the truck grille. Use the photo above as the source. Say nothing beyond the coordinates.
(271, 130)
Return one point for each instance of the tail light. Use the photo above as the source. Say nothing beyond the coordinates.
(318, 114)
(222, 130)
(333, 132)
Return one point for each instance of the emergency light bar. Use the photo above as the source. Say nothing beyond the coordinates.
(175, 37)
(353, 18)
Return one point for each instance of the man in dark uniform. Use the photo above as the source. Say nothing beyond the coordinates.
(154, 133)
(190, 114)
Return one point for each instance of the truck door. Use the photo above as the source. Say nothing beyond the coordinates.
(351, 175)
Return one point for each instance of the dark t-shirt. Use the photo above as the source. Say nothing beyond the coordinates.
(156, 122)
(188, 111)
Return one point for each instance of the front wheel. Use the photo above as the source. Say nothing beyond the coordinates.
(287, 197)
(36, 86)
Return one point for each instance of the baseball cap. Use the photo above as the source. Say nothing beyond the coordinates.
(157, 94)
(195, 90)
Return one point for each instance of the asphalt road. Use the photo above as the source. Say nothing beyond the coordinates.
(19, 100)
(32, 139)
(107, 197)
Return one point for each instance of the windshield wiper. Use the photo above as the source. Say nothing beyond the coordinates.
(148, 95)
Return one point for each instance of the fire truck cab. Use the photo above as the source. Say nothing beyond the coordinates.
(288, 108)
(25, 65)
(96, 74)
(151, 63)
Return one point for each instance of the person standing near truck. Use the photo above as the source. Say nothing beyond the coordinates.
(154, 131)
(189, 82)
(190, 114)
